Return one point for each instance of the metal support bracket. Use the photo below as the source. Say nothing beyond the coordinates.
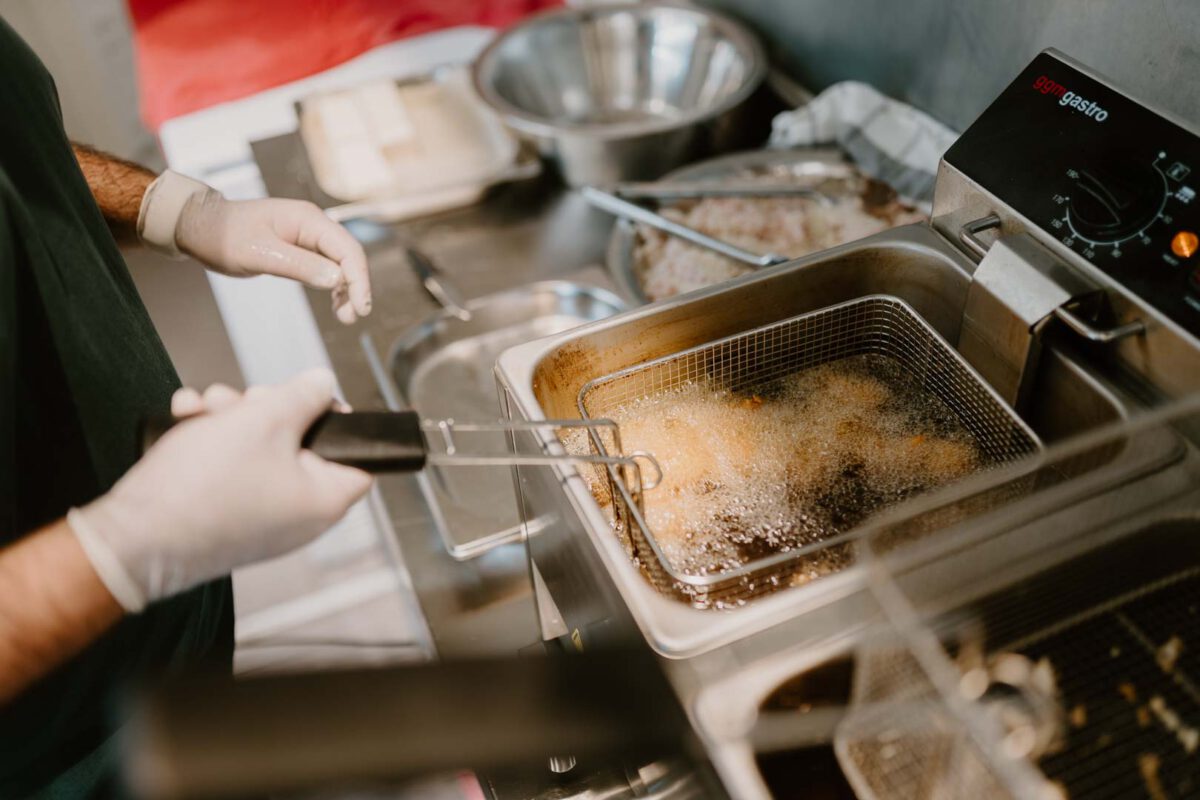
(968, 234)
(1100, 335)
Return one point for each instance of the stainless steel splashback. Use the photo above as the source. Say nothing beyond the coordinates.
(952, 57)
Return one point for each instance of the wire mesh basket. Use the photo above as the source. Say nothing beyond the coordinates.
(1056, 656)
(911, 745)
(878, 325)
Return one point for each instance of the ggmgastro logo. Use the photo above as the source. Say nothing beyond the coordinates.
(1065, 98)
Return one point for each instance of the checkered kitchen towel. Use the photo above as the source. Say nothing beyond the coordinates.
(887, 139)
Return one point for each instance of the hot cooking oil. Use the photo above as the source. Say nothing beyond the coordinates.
(789, 463)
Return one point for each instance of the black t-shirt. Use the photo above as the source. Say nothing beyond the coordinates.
(82, 364)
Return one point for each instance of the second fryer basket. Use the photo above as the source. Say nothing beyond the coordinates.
(1051, 653)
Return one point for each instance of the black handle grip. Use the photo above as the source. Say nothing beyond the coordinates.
(374, 441)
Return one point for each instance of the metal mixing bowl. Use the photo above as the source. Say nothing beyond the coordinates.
(622, 92)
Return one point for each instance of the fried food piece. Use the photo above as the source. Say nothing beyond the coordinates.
(945, 460)
(1149, 765)
(1169, 653)
(683, 449)
(846, 390)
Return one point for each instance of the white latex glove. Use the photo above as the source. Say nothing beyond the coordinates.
(289, 238)
(227, 488)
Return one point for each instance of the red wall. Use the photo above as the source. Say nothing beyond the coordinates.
(192, 54)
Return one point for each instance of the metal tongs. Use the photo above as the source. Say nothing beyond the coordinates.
(609, 202)
(439, 287)
(723, 187)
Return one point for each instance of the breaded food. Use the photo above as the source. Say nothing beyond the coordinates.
(750, 473)
(792, 226)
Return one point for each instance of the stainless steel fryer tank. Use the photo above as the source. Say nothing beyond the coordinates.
(596, 591)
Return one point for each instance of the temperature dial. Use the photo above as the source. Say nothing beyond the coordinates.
(1115, 201)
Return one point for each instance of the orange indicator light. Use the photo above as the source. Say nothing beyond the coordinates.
(1185, 244)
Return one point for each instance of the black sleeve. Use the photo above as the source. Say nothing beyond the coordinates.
(46, 465)
(8, 335)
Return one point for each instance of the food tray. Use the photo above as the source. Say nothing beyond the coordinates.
(877, 324)
(415, 136)
(443, 369)
(827, 170)
(305, 163)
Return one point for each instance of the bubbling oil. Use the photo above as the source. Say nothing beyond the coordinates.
(787, 464)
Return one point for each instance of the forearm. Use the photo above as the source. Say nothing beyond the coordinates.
(52, 605)
(118, 187)
(176, 214)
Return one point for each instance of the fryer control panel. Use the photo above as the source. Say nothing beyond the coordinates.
(1106, 177)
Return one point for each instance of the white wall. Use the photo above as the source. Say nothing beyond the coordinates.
(86, 44)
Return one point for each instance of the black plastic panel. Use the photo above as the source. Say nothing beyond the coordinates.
(1109, 179)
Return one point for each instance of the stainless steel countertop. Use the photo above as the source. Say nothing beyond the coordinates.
(518, 234)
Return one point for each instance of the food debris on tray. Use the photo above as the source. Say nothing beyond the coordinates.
(1189, 737)
(1169, 653)
(1149, 765)
(1143, 717)
(791, 226)
(1129, 705)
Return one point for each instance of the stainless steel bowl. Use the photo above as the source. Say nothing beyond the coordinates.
(622, 92)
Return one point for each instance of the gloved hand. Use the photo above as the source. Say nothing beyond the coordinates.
(289, 238)
(228, 488)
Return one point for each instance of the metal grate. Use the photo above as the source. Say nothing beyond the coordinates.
(1120, 630)
(879, 325)
(912, 749)
(1109, 683)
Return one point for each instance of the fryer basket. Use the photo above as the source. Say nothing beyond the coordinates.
(877, 324)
